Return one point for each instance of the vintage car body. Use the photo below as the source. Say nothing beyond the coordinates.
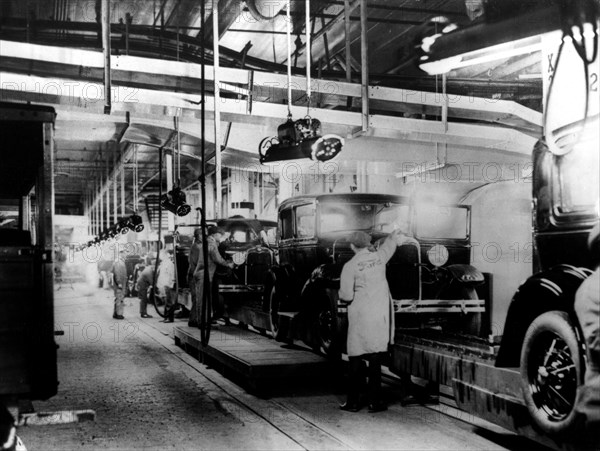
(534, 383)
(297, 296)
(250, 243)
(28, 367)
(313, 247)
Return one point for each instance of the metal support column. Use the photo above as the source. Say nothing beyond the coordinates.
(115, 186)
(364, 56)
(348, 53)
(105, 12)
(218, 182)
(122, 185)
(101, 218)
(107, 195)
(169, 161)
(445, 104)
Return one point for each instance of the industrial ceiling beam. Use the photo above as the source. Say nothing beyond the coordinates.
(325, 29)
(266, 113)
(158, 74)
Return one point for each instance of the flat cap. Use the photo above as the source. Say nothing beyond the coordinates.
(360, 239)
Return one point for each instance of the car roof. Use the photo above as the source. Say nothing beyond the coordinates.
(256, 224)
(344, 198)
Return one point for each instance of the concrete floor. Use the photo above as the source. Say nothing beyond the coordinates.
(149, 394)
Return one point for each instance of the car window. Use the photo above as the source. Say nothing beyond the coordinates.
(285, 224)
(575, 187)
(305, 221)
(439, 222)
(384, 217)
(390, 217)
(271, 235)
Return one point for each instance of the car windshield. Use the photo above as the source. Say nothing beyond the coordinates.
(381, 217)
(271, 232)
(438, 222)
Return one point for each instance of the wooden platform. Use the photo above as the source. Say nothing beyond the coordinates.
(257, 359)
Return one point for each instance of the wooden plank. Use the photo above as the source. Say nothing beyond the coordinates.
(252, 356)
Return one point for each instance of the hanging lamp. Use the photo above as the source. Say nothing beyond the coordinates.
(302, 138)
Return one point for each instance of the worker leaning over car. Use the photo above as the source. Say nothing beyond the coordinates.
(215, 236)
(363, 285)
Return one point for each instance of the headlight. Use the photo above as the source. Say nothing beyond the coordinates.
(239, 258)
(438, 255)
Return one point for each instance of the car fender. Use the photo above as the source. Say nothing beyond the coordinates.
(553, 289)
(323, 281)
(466, 274)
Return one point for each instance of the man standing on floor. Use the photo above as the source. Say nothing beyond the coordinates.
(364, 287)
(195, 256)
(166, 281)
(215, 235)
(143, 284)
(119, 271)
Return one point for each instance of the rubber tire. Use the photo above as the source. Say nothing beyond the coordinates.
(273, 304)
(473, 324)
(459, 323)
(324, 346)
(559, 323)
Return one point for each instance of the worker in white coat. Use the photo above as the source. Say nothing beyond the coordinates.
(363, 285)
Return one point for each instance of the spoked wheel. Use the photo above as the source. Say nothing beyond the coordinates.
(551, 371)
(160, 302)
(325, 327)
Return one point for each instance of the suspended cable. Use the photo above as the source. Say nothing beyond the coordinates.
(135, 178)
(177, 124)
(289, 56)
(158, 239)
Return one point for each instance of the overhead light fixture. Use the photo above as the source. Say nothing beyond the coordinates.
(122, 226)
(298, 140)
(135, 223)
(442, 46)
(302, 138)
(175, 202)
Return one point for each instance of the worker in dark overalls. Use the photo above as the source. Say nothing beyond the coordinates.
(215, 260)
(587, 307)
(119, 271)
(195, 256)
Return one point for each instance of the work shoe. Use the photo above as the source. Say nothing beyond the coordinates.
(350, 407)
(115, 316)
(167, 320)
(377, 407)
(145, 315)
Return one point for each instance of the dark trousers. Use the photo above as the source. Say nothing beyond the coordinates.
(356, 379)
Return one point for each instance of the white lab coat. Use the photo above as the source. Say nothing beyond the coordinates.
(370, 314)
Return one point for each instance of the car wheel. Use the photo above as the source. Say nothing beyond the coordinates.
(473, 323)
(325, 328)
(274, 302)
(551, 370)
